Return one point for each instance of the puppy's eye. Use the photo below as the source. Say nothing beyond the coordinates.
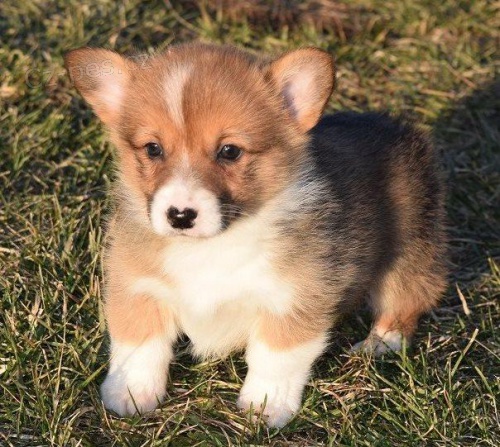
(229, 152)
(153, 150)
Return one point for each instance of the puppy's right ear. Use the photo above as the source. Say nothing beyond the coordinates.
(305, 80)
(101, 77)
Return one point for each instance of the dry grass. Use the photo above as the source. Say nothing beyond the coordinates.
(434, 61)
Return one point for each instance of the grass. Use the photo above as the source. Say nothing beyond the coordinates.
(436, 62)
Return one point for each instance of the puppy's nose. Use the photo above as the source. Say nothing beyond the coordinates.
(181, 219)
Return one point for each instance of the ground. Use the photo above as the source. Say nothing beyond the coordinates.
(435, 62)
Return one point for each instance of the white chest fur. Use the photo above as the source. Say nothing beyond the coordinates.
(217, 286)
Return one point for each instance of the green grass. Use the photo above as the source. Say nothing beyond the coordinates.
(436, 62)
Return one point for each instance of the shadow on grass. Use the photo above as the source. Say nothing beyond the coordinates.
(468, 136)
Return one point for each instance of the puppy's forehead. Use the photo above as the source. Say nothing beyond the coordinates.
(207, 82)
(191, 96)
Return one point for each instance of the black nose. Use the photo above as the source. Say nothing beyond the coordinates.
(181, 219)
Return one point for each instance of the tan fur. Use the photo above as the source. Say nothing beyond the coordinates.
(277, 331)
(131, 317)
(401, 298)
(126, 317)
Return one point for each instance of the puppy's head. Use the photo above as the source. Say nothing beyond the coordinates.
(205, 134)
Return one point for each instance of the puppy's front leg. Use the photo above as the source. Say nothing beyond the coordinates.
(142, 333)
(279, 357)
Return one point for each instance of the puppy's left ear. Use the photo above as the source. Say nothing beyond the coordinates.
(305, 79)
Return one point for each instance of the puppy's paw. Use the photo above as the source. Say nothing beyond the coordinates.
(374, 344)
(276, 401)
(128, 398)
(137, 377)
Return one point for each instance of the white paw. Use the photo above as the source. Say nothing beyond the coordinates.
(390, 341)
(276, 379)
(137, 377)
(127, 399)
(276, 401)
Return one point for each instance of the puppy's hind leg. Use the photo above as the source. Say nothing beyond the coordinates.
(398, 300)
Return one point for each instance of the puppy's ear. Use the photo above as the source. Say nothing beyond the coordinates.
(101, 77)
(305, 79)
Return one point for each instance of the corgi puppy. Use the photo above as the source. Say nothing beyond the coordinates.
(247, 221)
